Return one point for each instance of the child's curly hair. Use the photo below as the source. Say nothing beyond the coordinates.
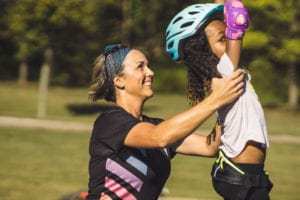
(201, 64)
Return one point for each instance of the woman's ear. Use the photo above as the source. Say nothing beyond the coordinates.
(118, 81)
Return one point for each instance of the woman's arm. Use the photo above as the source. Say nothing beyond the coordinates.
(200, 145)
(147, 135)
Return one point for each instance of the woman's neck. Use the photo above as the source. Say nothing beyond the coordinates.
(133, 107)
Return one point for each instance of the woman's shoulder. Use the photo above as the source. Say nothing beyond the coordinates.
(112, 112)
(118, 114)
(152, 120)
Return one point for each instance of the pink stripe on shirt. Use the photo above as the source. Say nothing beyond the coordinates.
(124, 174)
(120, 191)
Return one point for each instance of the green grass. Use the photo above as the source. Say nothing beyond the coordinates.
(40, 164)
(48, 164)
(44, 164)
(22, 101)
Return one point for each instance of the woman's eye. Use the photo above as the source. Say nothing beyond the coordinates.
(140, 66)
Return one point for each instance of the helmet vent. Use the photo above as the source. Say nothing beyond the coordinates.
(193, 12)
(177, 19)
(186, 24)
(171, 36)
(167, 33)
(170, 45)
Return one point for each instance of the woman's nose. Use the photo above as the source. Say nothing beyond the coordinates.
(149, 72)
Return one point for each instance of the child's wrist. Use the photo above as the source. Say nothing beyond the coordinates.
(236, 18)
(234, 34)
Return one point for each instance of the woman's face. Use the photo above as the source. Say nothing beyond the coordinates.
(137, 76)
(215, 32)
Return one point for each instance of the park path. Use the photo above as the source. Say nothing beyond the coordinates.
(6, 121)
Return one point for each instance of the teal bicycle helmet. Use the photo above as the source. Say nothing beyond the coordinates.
(187, 22)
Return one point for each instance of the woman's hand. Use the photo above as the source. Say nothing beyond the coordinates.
(226, 90)
(105, 197)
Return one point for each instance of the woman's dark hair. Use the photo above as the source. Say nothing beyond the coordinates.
(201, 64)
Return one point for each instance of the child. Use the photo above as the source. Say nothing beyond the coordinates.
(211, 48)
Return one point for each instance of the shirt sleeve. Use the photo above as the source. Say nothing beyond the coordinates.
(112, 127)
(173, 147)
(225, 66)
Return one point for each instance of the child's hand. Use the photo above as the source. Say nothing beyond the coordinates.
(236, 18)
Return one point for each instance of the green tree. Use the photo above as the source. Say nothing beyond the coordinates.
(7, 47)
(272, 46)
(55, 24)
(76, 30)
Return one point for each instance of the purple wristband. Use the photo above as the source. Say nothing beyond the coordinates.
(236, 18)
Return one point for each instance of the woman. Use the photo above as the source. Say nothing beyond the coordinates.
(210, 48)
(129, 152)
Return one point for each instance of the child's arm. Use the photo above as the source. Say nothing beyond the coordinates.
(233, 50)
(237, 21)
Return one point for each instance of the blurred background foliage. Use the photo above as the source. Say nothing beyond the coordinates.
(77, 30)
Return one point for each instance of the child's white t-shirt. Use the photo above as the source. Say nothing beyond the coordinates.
(242, 120)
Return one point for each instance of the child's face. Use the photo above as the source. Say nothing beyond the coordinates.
(215, 32)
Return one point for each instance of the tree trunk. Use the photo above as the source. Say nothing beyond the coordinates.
(293, 88)
(44, 83)
(23, 73)
(126, 22)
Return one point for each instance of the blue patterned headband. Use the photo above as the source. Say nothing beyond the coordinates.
(114, 57)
